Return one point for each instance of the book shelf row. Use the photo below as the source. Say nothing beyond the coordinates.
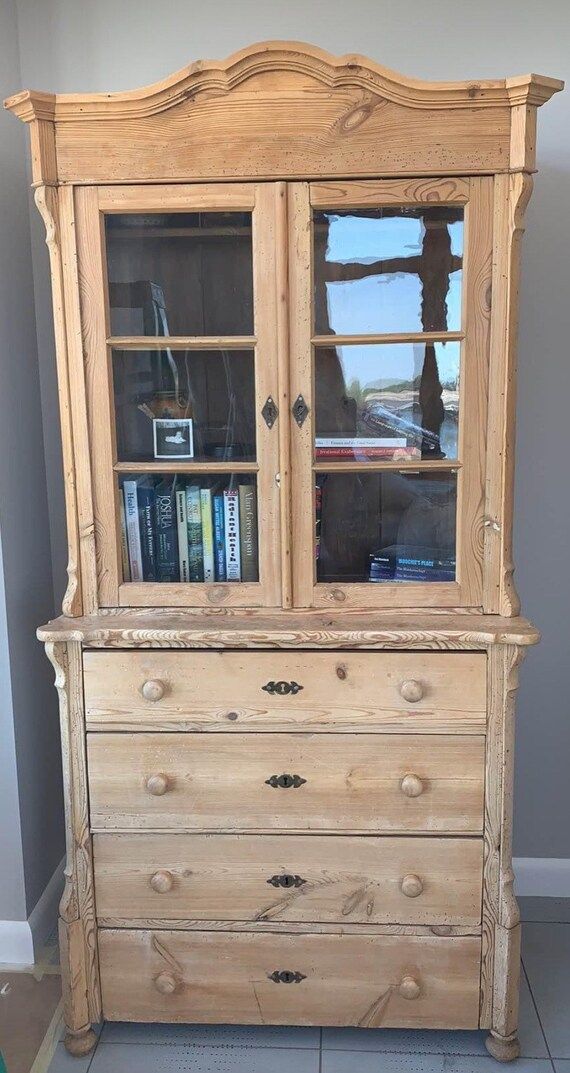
(174, 530)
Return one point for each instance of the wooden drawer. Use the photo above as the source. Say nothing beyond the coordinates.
(409, 981)
(302, 878)
(336, 782)
(247, 690)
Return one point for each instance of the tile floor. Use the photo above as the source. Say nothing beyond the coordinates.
(544, 1031)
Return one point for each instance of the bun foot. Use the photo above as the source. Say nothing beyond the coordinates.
(503, 1048)
(80, 1043)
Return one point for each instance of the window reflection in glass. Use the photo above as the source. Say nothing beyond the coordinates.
(387, 402)
(184, 273)
(385, 526)
(388, 270)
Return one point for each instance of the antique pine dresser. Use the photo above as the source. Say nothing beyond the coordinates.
(285, 302)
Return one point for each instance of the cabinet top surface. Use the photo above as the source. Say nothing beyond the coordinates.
(227, 628)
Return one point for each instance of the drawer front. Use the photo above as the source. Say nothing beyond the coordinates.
(409, 981)
(232, 691)
(336, 782)
(301, 878)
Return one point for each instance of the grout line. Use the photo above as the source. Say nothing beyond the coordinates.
(320, 1050)
(526, 976)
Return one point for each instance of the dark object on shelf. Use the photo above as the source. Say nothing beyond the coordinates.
(403, 563)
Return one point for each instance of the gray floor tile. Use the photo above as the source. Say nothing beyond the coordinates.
(414, 1041)
(562, 1065)
(372, 1062)
(125, 1058)
(546, 957)
(211, 1035)
(545, 910)
(62, 1062)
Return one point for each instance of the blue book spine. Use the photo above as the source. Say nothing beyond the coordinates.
(166, 534)
(145, 499)
(219, 539)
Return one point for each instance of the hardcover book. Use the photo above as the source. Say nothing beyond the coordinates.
(166, 537)
(124, 542)
(231, 526)
(182, 527)
(194, 522)
(133, 530)
(219, 538)
(248, 532)
(145, 499)
(207, 533)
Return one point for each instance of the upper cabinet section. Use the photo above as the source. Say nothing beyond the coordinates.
(284, 110)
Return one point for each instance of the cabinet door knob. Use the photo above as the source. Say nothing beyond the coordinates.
(411, 690)
(411, 785)
(153, 690)
(162, 881)
(409, 987)
(157, 785)
(411, 886)
(166, 983)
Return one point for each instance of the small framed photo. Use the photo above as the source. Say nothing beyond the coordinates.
(173, 437)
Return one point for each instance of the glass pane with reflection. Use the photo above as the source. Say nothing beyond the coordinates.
(388, 270)
(182, 404)
(187, 273)
(387, 402)
(385, 526)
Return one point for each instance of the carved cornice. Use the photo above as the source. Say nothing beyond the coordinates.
(215, 78)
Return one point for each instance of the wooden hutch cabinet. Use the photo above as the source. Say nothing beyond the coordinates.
(285, 301)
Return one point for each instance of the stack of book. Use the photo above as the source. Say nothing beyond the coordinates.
(177, 531)
(401, 563)
(365, 448)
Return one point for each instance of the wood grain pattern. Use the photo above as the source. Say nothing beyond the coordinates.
(347, 979)
(289, 927)
(228, 877)
(78, 937)
(352, 782)
(227, 691)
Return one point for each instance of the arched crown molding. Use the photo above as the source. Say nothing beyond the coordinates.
(214, 77)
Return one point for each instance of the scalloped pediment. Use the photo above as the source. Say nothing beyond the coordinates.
(279, 110)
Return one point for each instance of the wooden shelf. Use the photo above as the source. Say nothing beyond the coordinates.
(182, 342)
(185, 466)
(177, 232)
(395, 337)
(439, 465)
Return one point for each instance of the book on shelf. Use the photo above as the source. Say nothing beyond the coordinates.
(182, 527)
(358, 442)
(195, 545)
(401, 563)
(166, 534)
(133, 530)
(231, 528)
(219, 538)
(318, 514)
(145, 499)
(392, 448)
(124, 542)
(248, 532)
(207, 533)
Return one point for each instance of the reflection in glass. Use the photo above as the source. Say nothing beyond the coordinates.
(388, 270)
(180, 274)
(184, 404)
(387, 402)
(189, 528)
(385, 526)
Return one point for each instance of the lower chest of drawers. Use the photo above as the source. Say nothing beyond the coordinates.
(313, 856)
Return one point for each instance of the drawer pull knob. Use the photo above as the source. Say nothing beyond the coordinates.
(157, 785)
(282, 688)
(285, 976)
(411, 785)
(285, 781)
(411, 886)
(286, 881)
(409, 988)
(166, 983)
(162, 882)
(153, 690)
(411, 690)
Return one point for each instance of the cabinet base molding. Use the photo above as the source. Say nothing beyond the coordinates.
(503, 1048)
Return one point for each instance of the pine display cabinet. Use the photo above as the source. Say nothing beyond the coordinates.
(285, 302)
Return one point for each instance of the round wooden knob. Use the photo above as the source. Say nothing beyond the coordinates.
(166, 983)
(411, 690)
(411, 785)
(157, 785)
(411, 886)
(409, 987)
(162, 882)
(153, 690)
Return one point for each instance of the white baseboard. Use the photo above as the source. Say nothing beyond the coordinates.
(542, 877)
(16, 945)
(43, 918)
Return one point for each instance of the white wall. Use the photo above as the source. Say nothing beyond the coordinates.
(75, 45)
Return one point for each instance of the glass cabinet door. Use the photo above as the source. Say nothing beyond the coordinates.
(389, 339)
(178, 298)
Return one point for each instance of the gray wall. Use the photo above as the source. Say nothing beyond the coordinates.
(75, 45)
(32, 836)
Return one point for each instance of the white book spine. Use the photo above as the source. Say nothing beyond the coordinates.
(231, 525)
(182, 527)
(357, 442)
(133, 530)
(207, 533)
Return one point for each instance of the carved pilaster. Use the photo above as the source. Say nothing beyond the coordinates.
(512, 193)
(78, 934)
(46, 198)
